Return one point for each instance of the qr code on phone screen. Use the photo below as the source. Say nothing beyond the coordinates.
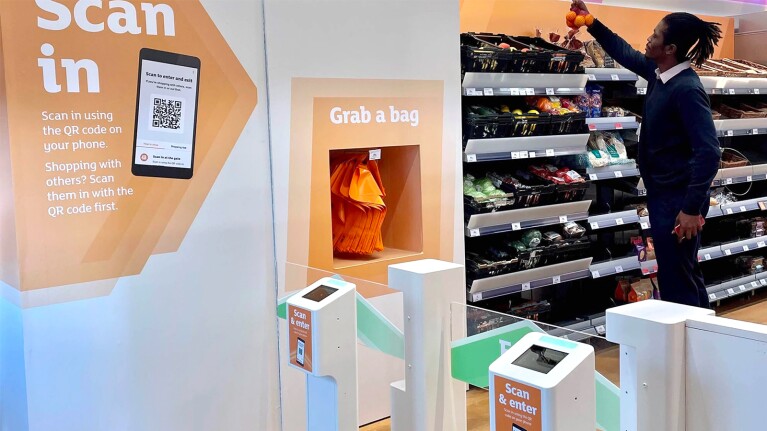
(166, 113)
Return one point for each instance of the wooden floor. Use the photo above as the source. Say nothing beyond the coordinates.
(477, 407)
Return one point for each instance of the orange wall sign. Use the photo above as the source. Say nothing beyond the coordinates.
(402, 118)
(120, 116)
(517, 406)
(300, 337)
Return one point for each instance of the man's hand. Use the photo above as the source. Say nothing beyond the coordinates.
(580, 4)
(689, 226)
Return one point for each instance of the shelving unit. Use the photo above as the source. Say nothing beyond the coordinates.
(613, 219)
(487, 150)
(614, 267)
(756, 204)
(613, 172)
(723, 86)
(741, 127)
(736, 287)
(526, 218)
(523, 84)
(604, 229)
(603, 74)
(613, 123)
(502, 285)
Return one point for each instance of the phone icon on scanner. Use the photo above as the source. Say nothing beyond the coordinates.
(300, 352)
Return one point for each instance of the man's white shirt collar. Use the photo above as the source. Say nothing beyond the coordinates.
(674, 71)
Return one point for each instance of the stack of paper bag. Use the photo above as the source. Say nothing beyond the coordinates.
(357, 205)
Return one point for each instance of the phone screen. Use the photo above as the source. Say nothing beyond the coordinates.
(300, 352)
(166, 114)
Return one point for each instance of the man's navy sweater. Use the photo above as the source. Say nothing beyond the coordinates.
(678, 147)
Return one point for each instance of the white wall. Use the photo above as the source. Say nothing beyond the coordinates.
(751, 37)
(362, 39)
(704, 7)
(13, 390)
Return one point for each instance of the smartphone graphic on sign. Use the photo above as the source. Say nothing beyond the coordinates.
(166, 115)
(300, 352)
(516, 427)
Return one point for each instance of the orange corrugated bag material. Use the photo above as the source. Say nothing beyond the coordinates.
(357, 205)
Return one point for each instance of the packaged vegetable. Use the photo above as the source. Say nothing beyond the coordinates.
(552, 237)
(573, 230)
(532, 238)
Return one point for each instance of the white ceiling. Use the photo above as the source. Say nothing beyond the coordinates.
(705, 7)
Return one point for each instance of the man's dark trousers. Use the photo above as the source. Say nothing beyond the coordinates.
(680, 278)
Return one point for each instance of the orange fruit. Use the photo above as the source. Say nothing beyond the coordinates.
(571, 15)
(580, 20)
(589, 19)
(570, 24)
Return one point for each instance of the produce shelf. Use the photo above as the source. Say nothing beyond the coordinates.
(612, 123)
(601, 74)
(535, 278)
(529, 147)
(526, 218)
(741, 127)
(613, 219)
(614, 266)
(727, 176)
(744, 174)
(756, 204)
(523, 84)
(612, 172)
(736, 287)
(744, 246)
(723, 86)
(710, 253)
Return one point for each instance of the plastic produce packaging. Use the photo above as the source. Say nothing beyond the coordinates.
(573, 230)
(532, 238)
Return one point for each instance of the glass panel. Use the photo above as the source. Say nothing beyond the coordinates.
(481, 336)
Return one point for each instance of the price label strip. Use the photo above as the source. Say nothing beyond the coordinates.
(525, 287)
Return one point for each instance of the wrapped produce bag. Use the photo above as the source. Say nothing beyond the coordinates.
(357, 205)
